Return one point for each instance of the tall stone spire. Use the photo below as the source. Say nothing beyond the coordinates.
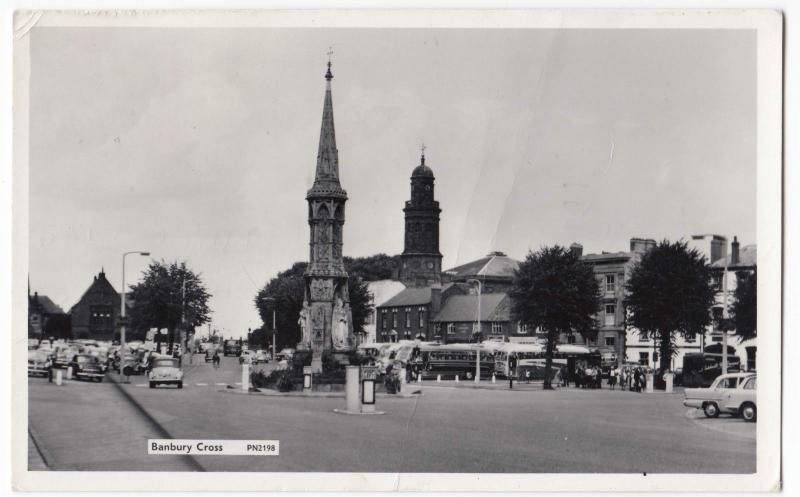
(326, 318)
(326, 179)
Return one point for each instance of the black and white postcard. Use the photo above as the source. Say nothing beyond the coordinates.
(397, 250)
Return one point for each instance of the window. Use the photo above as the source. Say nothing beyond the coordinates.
(644, 358)
(611, 282)
(451, 329)
(610, 341)
(716, 339)
(394, 318)
(571, 339)
(691, 338)
(750, 384)
(726, 383)
(408, 317)
(383, 320)
(522, 328)
(716, 281)
(497, 328)
(611, 315)
(421, 314)
(437, 329)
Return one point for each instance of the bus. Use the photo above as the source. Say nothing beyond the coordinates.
(700, 369)
(232, 347)
(451, 360)
(532, 358)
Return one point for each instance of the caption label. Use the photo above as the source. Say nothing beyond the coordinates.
(171, 447)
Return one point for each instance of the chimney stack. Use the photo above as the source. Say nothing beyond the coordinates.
(734, 252)
(719, 248)
(436, 299)
(577, 249)
(642, 245)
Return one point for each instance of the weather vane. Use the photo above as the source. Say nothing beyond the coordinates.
(330, 52)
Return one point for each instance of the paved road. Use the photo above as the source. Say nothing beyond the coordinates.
(446, 429)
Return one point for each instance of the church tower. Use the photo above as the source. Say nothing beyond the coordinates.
(326, 319)
(421, 262)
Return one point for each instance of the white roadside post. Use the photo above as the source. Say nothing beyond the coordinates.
(59, 377)
(245, 377)
(308, 378)
(69, 372)
(351, 388)
(668, 380)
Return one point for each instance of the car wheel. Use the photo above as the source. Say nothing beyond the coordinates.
(180, 384)
(711, 410)
(152, 384)
(748, 412)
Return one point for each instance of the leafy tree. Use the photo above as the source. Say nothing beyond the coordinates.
(373, 267)
(670, 294)
(745, 302)
(284, 294)
(168, 294)
(555, 291)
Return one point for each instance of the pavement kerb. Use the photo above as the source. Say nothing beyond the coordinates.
(340, 395)
(44, 454)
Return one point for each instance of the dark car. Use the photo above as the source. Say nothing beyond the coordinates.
(87, 366)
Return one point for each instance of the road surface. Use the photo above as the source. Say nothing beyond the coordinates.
(449, 428)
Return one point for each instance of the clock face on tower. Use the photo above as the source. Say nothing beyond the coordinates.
(430, 265)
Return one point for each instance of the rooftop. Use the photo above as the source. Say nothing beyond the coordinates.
(494, 265)
(460, 308)
(747, 258)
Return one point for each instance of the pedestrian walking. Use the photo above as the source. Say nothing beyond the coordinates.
(215, 359)
(612, 378)
(598, 377)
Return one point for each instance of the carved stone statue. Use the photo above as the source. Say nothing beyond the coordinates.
(303, 322)
(340, 325)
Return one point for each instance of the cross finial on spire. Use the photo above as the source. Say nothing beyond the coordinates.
(329, 75)
(423, 153)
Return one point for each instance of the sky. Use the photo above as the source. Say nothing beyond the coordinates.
(199, 144)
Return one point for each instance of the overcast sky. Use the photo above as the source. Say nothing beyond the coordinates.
(199, 144)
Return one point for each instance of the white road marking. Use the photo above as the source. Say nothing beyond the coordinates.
(201, 384)
(238, 383)
(221, 384)
(141, 385)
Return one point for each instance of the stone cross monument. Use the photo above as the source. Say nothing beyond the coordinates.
(326, 319)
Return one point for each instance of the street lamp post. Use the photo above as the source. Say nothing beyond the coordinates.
(272, 299)
(122, 310)
(477, 350)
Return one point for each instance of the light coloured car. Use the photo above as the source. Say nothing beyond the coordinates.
(165, 371)
(733, 393)
(38, 362)
(261, 356)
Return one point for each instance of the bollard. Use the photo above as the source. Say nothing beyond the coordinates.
(69, 373)
(456, 378)
(438, 378)
(668, 378)
(351, 388)
(403, 374)
(494, 379)
(59, 377)
(307, 378)
(419, 377)
(649, 383)
(245, 377)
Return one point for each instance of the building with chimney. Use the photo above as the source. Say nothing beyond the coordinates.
(326, 318)
(495, 272)
(421, 261)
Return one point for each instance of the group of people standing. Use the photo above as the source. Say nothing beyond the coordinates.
(633, 379)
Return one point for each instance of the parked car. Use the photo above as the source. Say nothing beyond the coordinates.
(165, 371)
(730, 393)
(260, 356)
(39, 363)
(246, 357)
(87, 366)
(285, 354)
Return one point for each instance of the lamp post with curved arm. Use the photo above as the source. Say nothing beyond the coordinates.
(122, 309)
(477, 350)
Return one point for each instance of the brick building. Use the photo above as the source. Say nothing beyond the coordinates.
(46, 319)
(96, 314)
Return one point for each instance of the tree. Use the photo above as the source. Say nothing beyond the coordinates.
(284, 294)
(670, 294)
(555, 291)
(169, 294)
(745, 302)
(373, 267)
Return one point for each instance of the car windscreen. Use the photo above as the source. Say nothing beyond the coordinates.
(165, 363)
